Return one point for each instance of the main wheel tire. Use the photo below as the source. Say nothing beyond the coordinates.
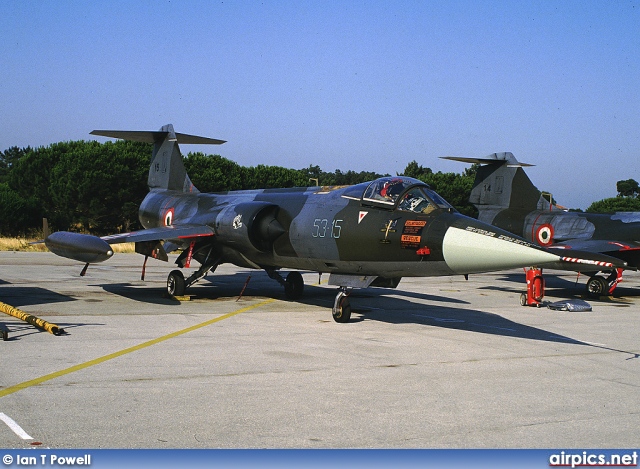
(597, 286)
(294, 285)
(343, 314)
(175, 283)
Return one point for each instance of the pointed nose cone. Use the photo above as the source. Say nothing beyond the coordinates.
(476, 247)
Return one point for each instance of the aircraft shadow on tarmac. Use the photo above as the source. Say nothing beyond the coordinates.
(28, 296)
(471, 320)
(231, 286)
(19, 297)
(18, 329)
(371, 304)
(137, 293)
(261, 285)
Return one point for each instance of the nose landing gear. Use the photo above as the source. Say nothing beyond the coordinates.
(341, 306)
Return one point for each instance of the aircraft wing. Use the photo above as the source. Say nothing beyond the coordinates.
(584, 260)
(603, 246)
(622, 251)
(90, 249)
(173, 232)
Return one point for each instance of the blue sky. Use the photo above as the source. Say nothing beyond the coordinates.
(361, 85)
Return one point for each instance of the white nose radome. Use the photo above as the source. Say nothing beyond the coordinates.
(476, 250)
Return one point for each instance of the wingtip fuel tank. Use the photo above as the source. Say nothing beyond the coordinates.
(79, 247)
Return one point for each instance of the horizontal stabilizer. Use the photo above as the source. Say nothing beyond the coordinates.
(156, 136)
(495, 158)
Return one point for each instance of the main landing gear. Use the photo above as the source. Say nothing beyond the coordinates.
(177, 284)
(600, 286)
(293, 284)
(294, 287)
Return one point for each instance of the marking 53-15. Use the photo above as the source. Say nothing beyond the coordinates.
(322, 228)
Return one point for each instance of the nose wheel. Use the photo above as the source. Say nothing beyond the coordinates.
(342, 306)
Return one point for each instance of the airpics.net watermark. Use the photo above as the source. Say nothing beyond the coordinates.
(46, 460)
(587, 459)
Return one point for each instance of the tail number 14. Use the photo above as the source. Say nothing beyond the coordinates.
(322, 228)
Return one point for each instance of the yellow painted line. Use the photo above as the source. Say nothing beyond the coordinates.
(82, 366)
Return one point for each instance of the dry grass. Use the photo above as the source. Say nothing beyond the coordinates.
(124, 247)
(23, 244)
(20, 244)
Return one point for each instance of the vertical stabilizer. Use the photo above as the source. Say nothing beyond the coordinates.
(501, 184)
(167, 169)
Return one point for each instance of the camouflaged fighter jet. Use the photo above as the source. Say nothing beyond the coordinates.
(370, 234)
(506, 198)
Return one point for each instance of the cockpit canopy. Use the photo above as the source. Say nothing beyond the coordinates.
(407, 194)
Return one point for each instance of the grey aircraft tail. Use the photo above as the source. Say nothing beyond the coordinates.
(167, 171)
(502, 189)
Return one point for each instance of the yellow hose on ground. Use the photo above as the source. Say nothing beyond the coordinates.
(31, 319)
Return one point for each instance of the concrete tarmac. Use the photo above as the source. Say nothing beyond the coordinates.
(437, 363)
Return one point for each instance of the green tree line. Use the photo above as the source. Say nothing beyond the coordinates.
(626, 201)
(96, 188)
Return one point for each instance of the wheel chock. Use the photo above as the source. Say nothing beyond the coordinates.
(177, 298)
(4, 332)
(182, 297)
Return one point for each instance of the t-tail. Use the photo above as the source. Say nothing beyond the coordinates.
(502, 191)
(167, 171)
